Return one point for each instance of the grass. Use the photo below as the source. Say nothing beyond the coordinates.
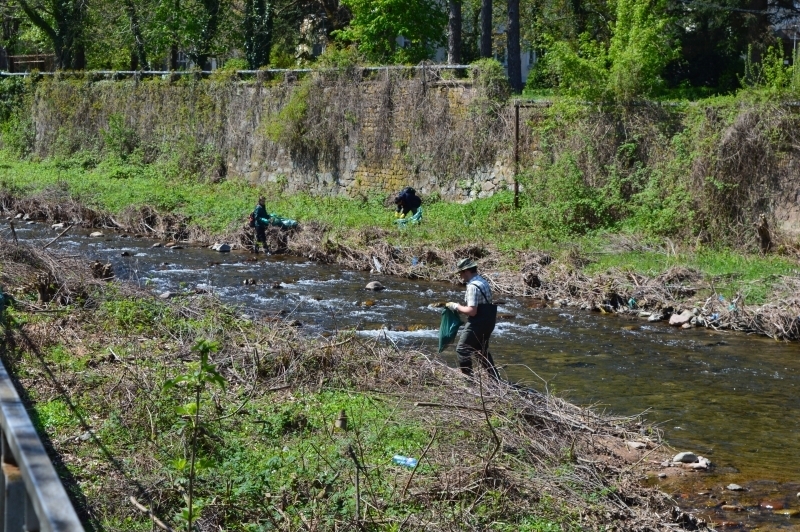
(218, 207)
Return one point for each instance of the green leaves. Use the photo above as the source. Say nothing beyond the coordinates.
(198, 373)
(627, 67)
(377, 24)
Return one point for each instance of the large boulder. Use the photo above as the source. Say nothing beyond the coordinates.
(375, 286)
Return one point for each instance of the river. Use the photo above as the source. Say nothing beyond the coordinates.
(727, 396)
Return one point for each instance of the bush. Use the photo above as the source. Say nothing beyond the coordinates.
(491, 80)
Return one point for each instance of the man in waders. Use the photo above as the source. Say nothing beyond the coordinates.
(481, 318)
(260, 221)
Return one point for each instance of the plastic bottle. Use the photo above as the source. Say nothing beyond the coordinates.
(406, 461)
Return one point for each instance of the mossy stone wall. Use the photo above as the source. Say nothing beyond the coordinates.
(352, 136)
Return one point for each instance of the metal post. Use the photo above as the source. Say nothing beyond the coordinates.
(13, 498)
(516, 154)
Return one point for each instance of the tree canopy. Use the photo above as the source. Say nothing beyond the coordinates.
(592, 48)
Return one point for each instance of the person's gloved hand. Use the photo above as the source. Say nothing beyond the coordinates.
(452, 306)
(396, 214)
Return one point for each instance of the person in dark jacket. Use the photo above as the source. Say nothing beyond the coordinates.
(481, 318)
(407, 201)
(261, 219)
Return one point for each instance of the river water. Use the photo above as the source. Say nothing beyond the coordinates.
(727, 396)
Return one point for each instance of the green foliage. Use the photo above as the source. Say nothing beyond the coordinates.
(491, 80)
(18, 134)
(287, 127)
(341, 57)
(627, 67)
(641, 46)
(119, 139)
(198, 376)
(564, 204)
(771, 75)
(376, 25)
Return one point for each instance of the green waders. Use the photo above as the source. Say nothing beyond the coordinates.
(474, 340)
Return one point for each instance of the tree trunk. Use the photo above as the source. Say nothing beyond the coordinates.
(513, 47)
(257, 33)
(139, 55)
(207, 34)
(486, 28)
(454, 33)
(66, 32)
(173, 49)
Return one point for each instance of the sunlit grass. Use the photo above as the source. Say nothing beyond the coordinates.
(492, 222)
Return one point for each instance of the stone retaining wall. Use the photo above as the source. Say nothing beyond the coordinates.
(392, 132)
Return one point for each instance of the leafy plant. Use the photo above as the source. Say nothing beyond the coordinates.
(198, 376)
(377, 24)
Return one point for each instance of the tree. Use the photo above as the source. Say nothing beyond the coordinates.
(486, 28)
(640, 48)
(377, 24)
(139, 54)
(454, 33)
(513, 47)
(63, 21)
(257, 32)
(206, 21)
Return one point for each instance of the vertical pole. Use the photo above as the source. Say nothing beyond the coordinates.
(13, 494)
(31, 519)
(13, 232)
(516, 154)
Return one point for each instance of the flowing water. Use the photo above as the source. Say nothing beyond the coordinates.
(730, 397)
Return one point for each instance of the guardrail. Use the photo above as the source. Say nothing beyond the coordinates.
(32, 498)
(431, 67)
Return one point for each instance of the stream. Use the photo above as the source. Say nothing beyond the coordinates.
(730, 397)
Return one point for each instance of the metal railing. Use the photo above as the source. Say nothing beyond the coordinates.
(66, 73)
(32, 498)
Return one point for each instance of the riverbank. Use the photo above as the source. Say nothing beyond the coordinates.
(624, 272)
(296, 432)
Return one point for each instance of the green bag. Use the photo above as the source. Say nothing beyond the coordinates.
(412, 220)
(283, 223)
(448, 330)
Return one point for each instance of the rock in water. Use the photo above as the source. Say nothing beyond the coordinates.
(680, 319)
(732, 508)
(157, 245)
(221, 247)
(96, 234)
(685, 457)
(375, 285)
(57, 226)
(655, 317)
(734, 487)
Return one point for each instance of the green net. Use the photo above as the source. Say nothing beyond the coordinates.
(448, 330)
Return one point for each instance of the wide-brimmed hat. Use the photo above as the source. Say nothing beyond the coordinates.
(465, 264)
